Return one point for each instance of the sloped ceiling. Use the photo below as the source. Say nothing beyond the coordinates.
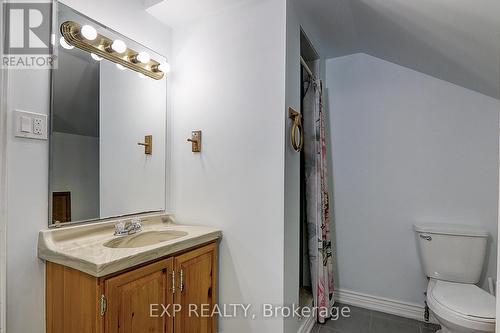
(179, 12)
(453, 40)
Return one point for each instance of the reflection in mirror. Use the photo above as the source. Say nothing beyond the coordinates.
(101, 162)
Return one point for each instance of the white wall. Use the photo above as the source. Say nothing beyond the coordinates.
(295, 20)
(497, 329)
(292, 169)
(27, 165)
(27, 204)
(228, 78)
(3, 215)
(407, 147)
(75, 168)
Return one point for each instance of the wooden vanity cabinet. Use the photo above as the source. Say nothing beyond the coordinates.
(129, 295)
(197, 291)
(79, 303)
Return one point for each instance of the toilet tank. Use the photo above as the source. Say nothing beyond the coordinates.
(452, 252)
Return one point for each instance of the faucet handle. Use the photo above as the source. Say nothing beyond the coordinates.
(119, 228)
(136, 223)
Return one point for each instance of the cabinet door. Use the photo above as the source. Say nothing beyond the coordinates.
(130, 296)
(196, 289)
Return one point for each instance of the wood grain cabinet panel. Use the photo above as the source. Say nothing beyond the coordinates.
(121, 303)
(130, 295)
(196, 292)
(71, 301)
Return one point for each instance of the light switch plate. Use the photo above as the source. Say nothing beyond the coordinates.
(26, 124)
(30, 125)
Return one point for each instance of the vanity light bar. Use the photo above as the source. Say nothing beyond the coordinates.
(101, 46)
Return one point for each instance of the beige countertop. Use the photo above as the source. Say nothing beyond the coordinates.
(82, 247)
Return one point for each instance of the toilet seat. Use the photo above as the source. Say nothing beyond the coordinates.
(464, 305)
(466, 299)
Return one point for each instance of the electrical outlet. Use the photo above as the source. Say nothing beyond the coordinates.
(30, 125)
(38, 126)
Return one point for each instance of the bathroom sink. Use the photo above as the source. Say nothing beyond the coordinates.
(92, 248)
(144, 238)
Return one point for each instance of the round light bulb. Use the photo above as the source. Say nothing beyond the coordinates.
(88, 32)
(95, 57)
(65, 44)
(164, 67)
(119, 46)
(143, 57)
(120, 67)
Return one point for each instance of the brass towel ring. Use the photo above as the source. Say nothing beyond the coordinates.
(297, 126)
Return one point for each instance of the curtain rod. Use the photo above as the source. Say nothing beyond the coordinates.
(306, 67)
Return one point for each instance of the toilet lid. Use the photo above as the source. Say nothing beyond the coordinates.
(466, 299)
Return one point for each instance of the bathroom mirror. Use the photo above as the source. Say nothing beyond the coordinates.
(107, 131)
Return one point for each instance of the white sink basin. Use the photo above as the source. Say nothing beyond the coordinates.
(144, 238)
(92, 248)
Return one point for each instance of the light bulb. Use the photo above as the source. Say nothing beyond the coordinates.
(164, 67)
(65, 44)
(143, 57)
(88, 32)
(120, 67)
(95, 57)
(119, 46)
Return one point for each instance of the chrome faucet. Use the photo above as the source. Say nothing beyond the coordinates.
(129, 228)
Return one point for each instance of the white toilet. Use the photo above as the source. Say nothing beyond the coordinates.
(452, 257)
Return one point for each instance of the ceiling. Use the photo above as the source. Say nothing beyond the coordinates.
(76, 94)
(179, 12)
(454, 40)
(75, 87)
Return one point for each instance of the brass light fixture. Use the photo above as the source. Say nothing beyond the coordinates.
(87, 39)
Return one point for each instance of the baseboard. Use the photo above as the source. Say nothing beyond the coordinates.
(307, 325)
(382, 304)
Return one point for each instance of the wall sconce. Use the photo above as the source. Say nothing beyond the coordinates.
(147, 144)
(195, 141)
(86, 38)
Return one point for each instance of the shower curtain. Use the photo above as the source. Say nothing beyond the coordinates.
(317, 201)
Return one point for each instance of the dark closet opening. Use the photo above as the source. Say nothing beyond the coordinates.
(309, 54)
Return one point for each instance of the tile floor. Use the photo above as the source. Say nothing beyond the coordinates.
(367, 321)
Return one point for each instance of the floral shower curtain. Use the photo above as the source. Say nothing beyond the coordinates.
(317, 201)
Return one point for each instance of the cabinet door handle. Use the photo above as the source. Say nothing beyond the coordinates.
(103, 305)
(182, 280)
(173, 282)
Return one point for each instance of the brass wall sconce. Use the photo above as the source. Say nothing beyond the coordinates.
(148, 144)
(87, 39)
(297, 131)
(195, 141)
